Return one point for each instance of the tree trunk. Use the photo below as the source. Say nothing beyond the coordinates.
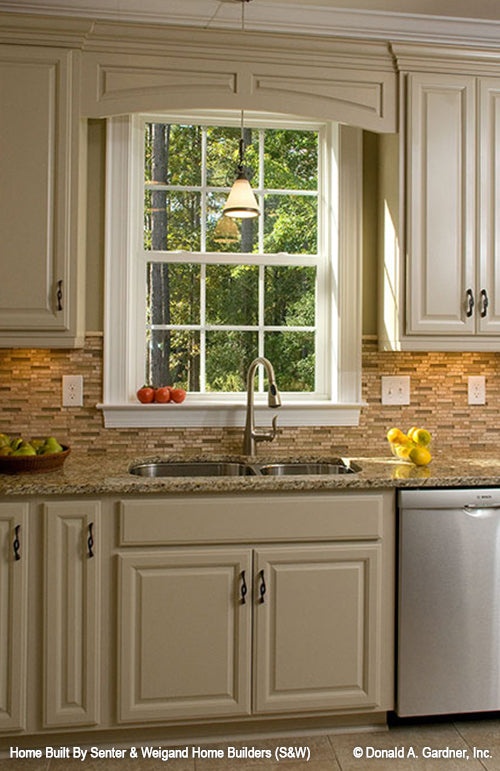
(159, 367)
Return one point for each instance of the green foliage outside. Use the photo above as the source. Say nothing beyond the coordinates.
(173, 222)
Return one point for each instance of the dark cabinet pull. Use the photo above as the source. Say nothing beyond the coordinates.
(244, 588)
(470, 302)
(17, 543)
(90, 541)
(262, 587)
(484, 303)
(59, 296)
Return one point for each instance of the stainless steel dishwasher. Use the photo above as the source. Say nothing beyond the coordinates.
(449, 601)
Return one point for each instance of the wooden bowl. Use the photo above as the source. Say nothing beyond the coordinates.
(34, 464)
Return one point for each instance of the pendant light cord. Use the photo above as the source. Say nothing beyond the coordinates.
(242, 141)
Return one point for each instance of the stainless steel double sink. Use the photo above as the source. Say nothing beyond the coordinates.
(237, 469)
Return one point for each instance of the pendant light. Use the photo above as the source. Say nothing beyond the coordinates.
(241, 202)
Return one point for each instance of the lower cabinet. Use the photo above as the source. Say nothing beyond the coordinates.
(261, 629)
(316, 617)
(13, 614)
(184, 634)
(170, 610)
(72, 611)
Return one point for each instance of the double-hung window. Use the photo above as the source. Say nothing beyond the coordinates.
(192, 297)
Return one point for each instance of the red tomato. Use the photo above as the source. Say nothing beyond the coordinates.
(177, 395)
(146, 394)
(162, 395)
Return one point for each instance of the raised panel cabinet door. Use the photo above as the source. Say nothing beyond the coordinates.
(317, 627)
(184, 628)
(13, 614)
(440, 204)
(39, 148)
(489, 206)
(71, 613)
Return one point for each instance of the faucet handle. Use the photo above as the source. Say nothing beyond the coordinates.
(268, 434)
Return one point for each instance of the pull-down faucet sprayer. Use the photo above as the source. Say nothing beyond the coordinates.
(252, 435)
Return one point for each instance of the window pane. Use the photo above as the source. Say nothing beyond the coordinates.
(173, 295)
(292, 355)
(289, 296)
(223, 145)
(173, 154)
(291, 160)
(173, 358)
(229, 354)
(232, 293)
(172, 220)
(290, 224)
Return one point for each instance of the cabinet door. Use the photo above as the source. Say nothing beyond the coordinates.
(317, 627)
(489, 206)
(72, 613)
(184, 634)
(38, 208)
(13, 614)
(441, 205)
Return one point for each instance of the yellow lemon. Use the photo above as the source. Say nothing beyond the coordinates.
(404, 449)
(411, 432)
(420, 456)
(395, 435)
(422, 436)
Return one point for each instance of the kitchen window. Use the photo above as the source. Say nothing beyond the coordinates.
(187, 305)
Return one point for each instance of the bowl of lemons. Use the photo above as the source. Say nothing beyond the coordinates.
(412, 446)
(17, 455)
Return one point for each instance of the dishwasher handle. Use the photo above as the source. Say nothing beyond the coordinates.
(481, 511)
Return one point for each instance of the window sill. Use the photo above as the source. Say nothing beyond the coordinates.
(228, 415)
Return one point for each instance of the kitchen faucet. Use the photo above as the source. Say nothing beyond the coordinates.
(252, 435)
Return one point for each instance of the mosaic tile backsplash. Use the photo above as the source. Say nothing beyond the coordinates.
(30, 405)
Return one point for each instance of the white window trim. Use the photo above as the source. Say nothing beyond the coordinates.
(121, 327)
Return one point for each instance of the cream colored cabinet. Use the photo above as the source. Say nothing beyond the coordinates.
(42, 286)
(310, 583)
(13, 615)
(184, 634)
(316, 619)
(441, 137)
(72, 613)
(440, 270)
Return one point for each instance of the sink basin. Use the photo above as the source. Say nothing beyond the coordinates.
(281, 469)
(194, 469)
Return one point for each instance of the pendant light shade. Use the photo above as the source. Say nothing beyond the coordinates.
(241, 202)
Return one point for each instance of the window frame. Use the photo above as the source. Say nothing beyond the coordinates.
(124, 324)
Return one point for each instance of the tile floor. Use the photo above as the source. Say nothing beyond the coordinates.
(332, 752)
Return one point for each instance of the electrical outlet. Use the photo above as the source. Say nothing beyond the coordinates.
(72, 391)
(396, 390)
(477, 389)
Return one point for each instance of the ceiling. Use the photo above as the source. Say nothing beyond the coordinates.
(433, 20)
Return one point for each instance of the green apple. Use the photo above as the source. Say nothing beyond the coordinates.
(4, 440)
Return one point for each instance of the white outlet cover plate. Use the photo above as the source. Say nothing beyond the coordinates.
(395, 390)
(476, 388)
(72, 391)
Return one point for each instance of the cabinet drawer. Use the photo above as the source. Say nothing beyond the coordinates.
(230, 519)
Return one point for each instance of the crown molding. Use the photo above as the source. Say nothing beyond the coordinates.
(429, 58)
(275, 16)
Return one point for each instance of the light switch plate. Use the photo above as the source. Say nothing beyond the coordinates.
(476, 388)
(395, 390)
(72, 391)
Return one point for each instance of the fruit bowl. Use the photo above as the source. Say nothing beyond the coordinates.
(36, 464)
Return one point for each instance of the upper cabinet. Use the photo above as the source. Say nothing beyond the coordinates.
(41, 302)
(440, 261)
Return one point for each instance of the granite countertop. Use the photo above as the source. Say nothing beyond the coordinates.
(84, 474)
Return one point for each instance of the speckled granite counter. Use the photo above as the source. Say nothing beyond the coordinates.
(102, 475)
